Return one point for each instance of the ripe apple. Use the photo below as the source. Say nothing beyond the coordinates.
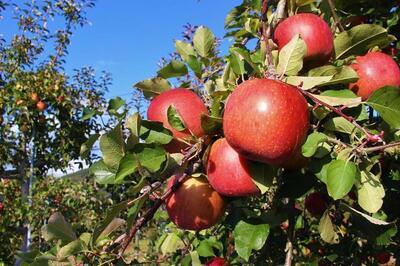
(1, 206)
(188, 105)
(375, 70)
(383, 257)
(296, 161)
(217, 261)
(228, 172)
(41, 106)
(266, 120)
(195, 205)
(315, 32)
(315, 204)
(35, 97)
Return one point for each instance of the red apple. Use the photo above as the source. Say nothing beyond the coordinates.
(35, 97)
(228, 172)
(315, 32)
(41, 106)
(266, 120)
(315, 204)
(383, 257)
(195, 205)
(375, 70)
(217, 261)
(296, 161)
(188, 105)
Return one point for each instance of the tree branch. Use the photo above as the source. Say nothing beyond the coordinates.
(381, 147)
(335, 16)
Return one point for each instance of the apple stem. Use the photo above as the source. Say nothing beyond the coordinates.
(335, 16)
(369, 136)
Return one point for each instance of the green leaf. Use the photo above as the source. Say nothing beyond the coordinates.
(171, 244)
(57, 228)
(204, 40)
(195, 258)
(341, 176)
(307, 82)
(101, 173)
(291, 57)
(133, 124)
(173, 69)
(195, 65)
(244, 55)
(249, 237)
(326, 229)
(211, 124)
(340, 75)
(338, 101)
(340, 124)
(236, 63)
(370, 192)
(112, 147)
(70, 249)
(386, 101)
(207, 246)
(112, 212)
(262, 175)
(128, 165)
(150, 156)
(88, 113)
(359, 39)
(87, 145)
(362, 215)
(153, 87)
(311, 145)
(115, 104)
(185, 50)
(154, 132)
(174, 119)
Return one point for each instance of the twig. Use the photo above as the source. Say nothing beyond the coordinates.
(381, 147)
(335, 16)
(290, 236)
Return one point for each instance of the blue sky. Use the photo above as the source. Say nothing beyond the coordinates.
(128, 37)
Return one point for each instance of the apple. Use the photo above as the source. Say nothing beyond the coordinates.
(315, 32)
(296, 161)
(195, 205)
(217, 261)
(228, 172)
(383, 257)
(375, 70)
(1, 206)
(35, 97)
(266, 120)
(60, 98)
(188, 105)
(41, 106)
(315, 204)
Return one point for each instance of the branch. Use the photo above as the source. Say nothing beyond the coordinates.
(381, 147)
(290, 236)
(335, 16)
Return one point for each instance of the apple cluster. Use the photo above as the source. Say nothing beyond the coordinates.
(264, 120)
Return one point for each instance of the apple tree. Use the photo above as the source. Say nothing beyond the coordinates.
(284, 150)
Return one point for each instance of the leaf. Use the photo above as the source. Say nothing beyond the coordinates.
(184, 49)
(326, 229)
(112, 147)
(364, 216)
(203, 41)
(307, 82)
(359, 39)
(70, 249)
(340, 124)
(195, 65)
(150, 156)
(339, 101)
(171, 244)
(195, 258)
(341, 75)
(244, 55)
(128, 165)
(115, 104)
(386, 101)
(87, 145)
(174, 119)
(311, 145)
(153, 87)
(102, 174)
(249, 237)
(111, 227)
(211, 124)
(173, 69)
(112, 212)
(236, 63)
(291, 57)
(370, 192)
(57, 228)
(341, 176)
(133, 124)
(207, 246)
(88, 113)
(262, 175)
(154, 132)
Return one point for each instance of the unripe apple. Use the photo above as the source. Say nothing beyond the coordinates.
(217, 261)
(375, 70)
(228, 172)
(315, 204)
(266, 120)
(315, 32)
(35, 97)
(383, 257)
(195, 205)
(41, 106)
(188, 105)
